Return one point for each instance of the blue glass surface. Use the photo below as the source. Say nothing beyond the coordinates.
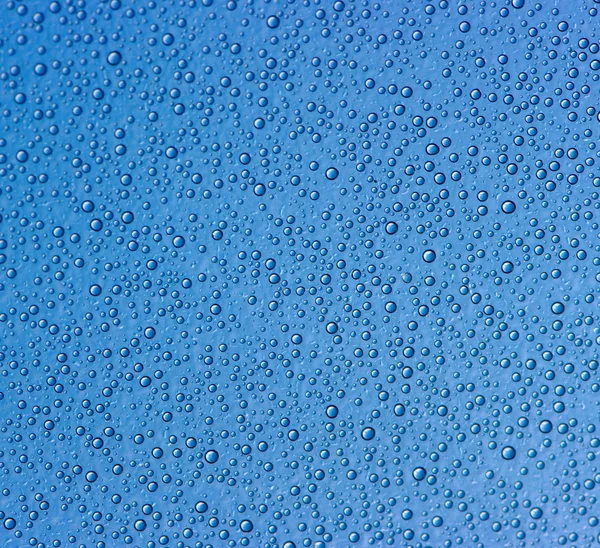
(305, 273)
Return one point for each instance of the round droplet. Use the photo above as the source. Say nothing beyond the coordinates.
(246, 525)
(429, 256)
(273, 22)
(508, 453)
(508, 207)
(201, 507)
(91, 476)
(536, 513)
(127, 217)
(391, 227)
(332, 173)
(211, 456)
(332, 411)
(390, 307)
(507, 267)
(419, 473)
(114, 58)
(399, 409)
(368, 433)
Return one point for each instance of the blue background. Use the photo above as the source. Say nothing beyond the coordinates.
(284, 274)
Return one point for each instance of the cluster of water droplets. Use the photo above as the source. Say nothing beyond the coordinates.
(292, 274)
